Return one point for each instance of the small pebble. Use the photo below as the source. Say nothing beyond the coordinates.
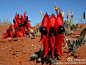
(32, 45)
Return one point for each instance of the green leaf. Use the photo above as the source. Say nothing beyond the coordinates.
(69, 43)
(52, 60)
(77, 44)
(74, 48)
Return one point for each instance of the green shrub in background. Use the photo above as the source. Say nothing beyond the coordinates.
(5, 22)
(0, 22)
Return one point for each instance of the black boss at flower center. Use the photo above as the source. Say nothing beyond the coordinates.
(43, 30)
(52, 31)
(61, 29)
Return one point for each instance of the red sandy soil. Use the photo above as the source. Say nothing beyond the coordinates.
(17, 51)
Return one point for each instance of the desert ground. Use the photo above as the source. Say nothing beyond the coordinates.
(16, 51)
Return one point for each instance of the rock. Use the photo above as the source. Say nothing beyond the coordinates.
(32, 45)
(39, 59)
(34, 56)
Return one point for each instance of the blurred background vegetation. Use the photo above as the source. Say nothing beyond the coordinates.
(5, 21)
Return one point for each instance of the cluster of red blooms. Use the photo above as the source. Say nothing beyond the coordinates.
(52, 33)
(20, 23)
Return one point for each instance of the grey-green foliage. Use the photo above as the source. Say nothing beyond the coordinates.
(39, 27)
(65, 23)
(73, 42)
(80, 27)
(76, 44)
(6, 22)
(52, 60)
(83, 31)
(66, 26)
(71, 27)
(65, 37)
(39, 23)
(10, 23)
(36, 29)
(74, 48)
(83, 39)
(79, 41)
(75, 27)
(69, 43)
(0, 23)
(34, 56)
(70, 46)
